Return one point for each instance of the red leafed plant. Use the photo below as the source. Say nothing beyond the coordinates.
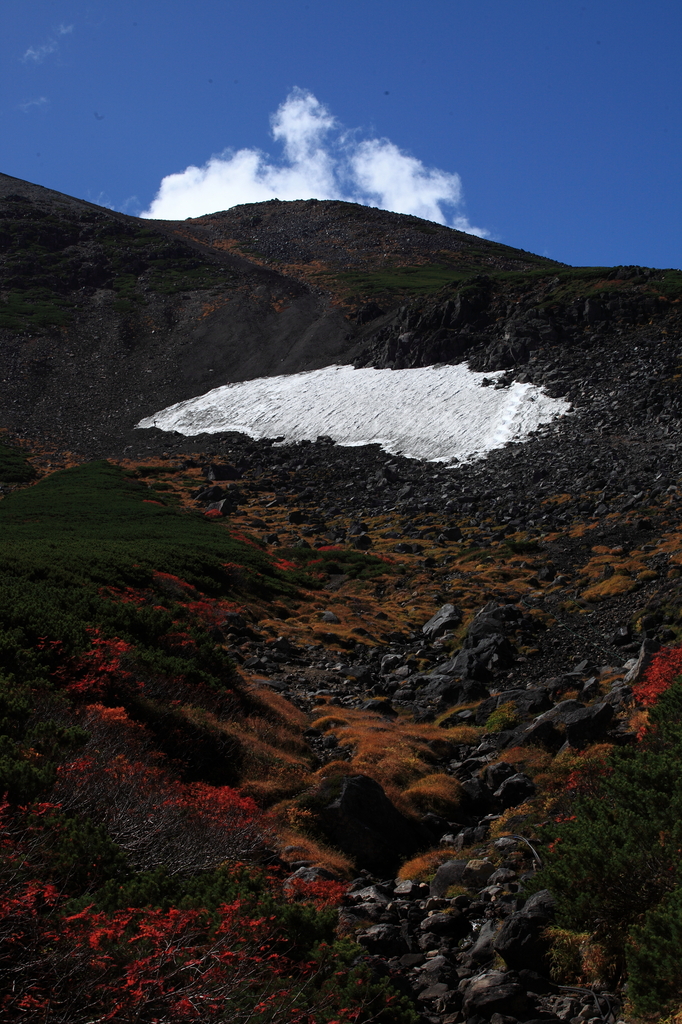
(322, 893)
(151, 965)
(665, 666)
(98, 673)
(158, 820)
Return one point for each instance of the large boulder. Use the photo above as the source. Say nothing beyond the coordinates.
(492, 619)
(452, 690)
(383, 940)
(480, 660)
(494, 992)
(521, 941)
(359, 818)
(515, 790)
(646, 653)
(449, 873)
(588, 724)
(225, 472)
(453, 925)
(447, 617)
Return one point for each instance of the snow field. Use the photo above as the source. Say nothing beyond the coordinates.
(438, 413)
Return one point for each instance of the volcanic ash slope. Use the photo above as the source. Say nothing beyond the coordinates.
(440, 413)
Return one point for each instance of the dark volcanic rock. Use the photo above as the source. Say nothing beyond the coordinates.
(521, 942)
(447, 617)
(363, 822)
(494, 992)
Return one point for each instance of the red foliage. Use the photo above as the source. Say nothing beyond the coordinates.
(99, 672)
(153, 965)
(285, 566)
(126, 595)
(243, 539)
(665, 666)
(322, 893)
(157, 819)
(585, 778)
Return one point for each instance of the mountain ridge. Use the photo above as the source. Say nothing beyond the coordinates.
(96, 301)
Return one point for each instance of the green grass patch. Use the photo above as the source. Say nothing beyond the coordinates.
(421, 280)
(34, 307)
(92, 524)
(14, 469)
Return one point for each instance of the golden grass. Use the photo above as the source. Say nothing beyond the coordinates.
(437, 793)
(280, 707)
(309, 849)
(530, 760)
(424, 867)
(279, 786)
(611, 587)
(502, 826)
(639, 721)
(274, 757)
(328, 722)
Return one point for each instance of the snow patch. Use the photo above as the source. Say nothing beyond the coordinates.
(438, 413)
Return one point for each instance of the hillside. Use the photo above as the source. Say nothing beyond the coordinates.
(393, 688)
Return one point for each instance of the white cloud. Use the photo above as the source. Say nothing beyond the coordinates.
(320, 161)
(41, 101)
(38, 53)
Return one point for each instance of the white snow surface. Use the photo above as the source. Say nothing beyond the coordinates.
(438, 413)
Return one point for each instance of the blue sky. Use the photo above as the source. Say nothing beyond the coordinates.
(551, 125)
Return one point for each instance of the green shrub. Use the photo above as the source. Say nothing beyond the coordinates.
(504, 717)
(653, 956)
(615, 868)
(14, 469)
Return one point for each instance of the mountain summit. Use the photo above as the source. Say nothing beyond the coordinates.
(106, 318)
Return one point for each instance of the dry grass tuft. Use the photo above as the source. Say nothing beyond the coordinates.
(328, 722)
(305, 848)
(279, 786)
(530, 760)
(424, 867)
(611, 587)
(506, 822)
(277, 706)
(437, 793)
(576, 959)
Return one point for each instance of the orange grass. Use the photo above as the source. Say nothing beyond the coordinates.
(529, 759)
(437, 793)
(611, 587)
(424, 867)
(309, 849)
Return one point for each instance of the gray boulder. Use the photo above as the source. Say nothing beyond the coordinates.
(588, 724)
(494, 992)
(515, 790)
(479, 661)
(447, 617)
(452, 925)
(482, 950)
(383, 940)
(521, 941)
(646, 653)
(490, 620)
(449, 873)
